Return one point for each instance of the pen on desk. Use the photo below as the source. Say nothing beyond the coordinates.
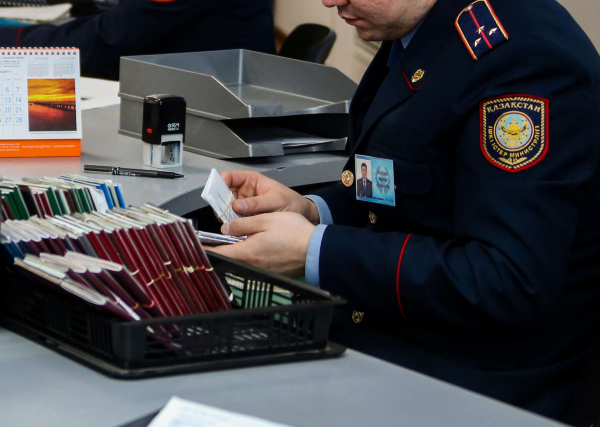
(132, 172)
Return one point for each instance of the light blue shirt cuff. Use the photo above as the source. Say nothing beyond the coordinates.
(311, 269)
(322, 208)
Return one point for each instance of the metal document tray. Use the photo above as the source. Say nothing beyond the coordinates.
(229, 90)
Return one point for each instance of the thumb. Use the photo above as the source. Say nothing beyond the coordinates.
(266, 203)
(244, 226)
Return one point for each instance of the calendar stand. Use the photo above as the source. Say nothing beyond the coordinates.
(40, 109)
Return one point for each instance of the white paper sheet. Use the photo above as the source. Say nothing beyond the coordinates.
(97, 93)
(183, 413)
(277, 135)
(35, 14)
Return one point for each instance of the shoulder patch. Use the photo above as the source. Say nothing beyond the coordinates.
(514, 131)
(480, 29)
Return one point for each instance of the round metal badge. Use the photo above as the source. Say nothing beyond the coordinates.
(347, 178)
(357, 316)
(372, 218)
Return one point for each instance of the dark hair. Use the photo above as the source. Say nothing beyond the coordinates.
(365, 165)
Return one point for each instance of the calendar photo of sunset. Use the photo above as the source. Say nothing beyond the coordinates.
(52, 105)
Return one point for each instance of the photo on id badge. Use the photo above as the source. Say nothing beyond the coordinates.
(374, 180)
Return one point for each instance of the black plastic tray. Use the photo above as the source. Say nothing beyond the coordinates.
(277, 320)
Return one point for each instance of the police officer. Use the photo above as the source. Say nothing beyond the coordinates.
(476, 258)
(142, 27)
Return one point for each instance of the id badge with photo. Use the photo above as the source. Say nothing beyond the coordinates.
(374, 180)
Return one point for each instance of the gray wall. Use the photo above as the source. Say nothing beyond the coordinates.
(587, 13)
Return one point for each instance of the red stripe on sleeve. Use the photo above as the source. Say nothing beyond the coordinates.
(398, 276)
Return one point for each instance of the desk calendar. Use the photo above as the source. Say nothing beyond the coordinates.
(40, 111)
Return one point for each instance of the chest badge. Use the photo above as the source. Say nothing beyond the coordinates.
(419, 74)
(375, 180)
(347, 178)
(514, 131)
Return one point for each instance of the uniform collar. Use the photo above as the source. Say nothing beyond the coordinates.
(407, 38)
(429, 40)
(382, 88)
(399, 45)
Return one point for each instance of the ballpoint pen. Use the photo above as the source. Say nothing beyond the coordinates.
(115, 170)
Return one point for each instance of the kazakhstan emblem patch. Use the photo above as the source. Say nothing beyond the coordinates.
(514, 131)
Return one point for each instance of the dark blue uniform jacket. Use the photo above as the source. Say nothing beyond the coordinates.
(141, 27)
(480, 276)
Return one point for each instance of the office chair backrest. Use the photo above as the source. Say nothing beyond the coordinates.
(309, 42)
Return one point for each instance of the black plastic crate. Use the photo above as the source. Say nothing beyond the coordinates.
(276, 320)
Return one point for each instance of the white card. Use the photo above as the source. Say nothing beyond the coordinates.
(183, 413)
(219, 197)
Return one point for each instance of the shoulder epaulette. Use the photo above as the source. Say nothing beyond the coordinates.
(480, 29)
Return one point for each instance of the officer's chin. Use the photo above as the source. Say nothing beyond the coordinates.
(375, 34)
(368, 35)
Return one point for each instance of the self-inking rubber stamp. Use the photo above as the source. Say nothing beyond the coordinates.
(163, 130)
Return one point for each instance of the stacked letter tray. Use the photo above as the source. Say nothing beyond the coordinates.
(275, 320)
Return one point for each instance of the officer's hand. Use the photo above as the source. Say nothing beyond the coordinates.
(257, 194)
(276, 241)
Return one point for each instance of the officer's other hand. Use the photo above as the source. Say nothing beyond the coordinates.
(276, 241)
(257, 194)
